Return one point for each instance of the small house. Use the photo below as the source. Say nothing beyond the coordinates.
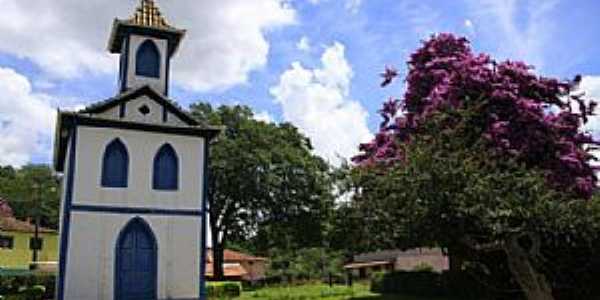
(364, 265)
(238, 266)
(17, 238)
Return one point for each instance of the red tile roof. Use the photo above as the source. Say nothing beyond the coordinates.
(235, 256)
(230, 270)
(12, 224)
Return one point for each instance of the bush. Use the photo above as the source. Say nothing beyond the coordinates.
(224, 289)
(408, 283)
(28, 287)
(423, 267)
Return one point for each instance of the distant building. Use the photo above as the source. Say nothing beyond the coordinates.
(16, 237)
(365, 264)
(238, 266)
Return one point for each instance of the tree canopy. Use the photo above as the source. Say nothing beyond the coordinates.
(267, 189)
(23, 188)
(481, 156)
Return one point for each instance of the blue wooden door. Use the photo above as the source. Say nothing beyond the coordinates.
(136, 258)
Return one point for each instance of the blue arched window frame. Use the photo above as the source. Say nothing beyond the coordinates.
(115, 165)
(147, 60)
(166, 169)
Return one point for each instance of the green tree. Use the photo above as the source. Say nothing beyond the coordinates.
(482, 157)
(267, 190)
(29, 188)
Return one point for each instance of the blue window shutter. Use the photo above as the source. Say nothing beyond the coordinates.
(115, 165)
(166, 169)
(147, 60)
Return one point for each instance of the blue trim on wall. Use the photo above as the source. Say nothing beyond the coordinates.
(167, 75)
(122, 110)
(66, 222)
(165, 114)
(124, 74)
(136, 210)
(204, 228)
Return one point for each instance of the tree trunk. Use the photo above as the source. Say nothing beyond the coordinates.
(534, 284)
(455, 260)
(218, 258)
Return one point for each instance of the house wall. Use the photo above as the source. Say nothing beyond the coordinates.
(91, 262)
(92, 237)
(142, 147)
(19, 257)
(438, 262)
(256, 270)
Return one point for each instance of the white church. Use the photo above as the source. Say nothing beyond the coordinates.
(135, 166)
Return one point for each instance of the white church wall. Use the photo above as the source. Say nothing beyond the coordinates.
(134, 81)
(133, 114)
(95, 238)
(142, 147)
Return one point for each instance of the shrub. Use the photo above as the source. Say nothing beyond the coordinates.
(28, 286)
(423, 267)
(224, 289)
(408, 283)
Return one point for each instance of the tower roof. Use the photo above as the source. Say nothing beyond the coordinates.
(146, 20)
(148, 14)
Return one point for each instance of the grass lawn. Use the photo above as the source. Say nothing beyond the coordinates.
(320, 291)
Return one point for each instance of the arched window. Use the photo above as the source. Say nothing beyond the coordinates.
(115, 165)
(147, 60)
(166, 169)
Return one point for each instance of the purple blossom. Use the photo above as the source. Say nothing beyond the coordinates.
(525, 115)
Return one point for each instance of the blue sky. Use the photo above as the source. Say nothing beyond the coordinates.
(314, 63)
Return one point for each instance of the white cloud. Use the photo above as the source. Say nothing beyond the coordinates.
(423, 18)
(67, 38)
(318, 102)
(353, 5)
(591, 86)
(468, 23)
(26, 120)
(522, 29)
(303, 44)
(264, 116)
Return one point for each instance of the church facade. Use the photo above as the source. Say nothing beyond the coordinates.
(132, 213)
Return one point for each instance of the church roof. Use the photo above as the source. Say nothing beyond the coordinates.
(67, 120)
(146, 90)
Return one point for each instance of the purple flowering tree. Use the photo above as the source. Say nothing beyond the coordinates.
(481, 156)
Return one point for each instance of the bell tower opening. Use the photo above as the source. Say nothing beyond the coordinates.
(146, 43)
(147, 60)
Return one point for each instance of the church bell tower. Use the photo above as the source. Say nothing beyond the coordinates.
(146, 44)
(133, 209)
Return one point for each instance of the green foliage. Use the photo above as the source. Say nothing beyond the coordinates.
(224, 290)
(28, 287)
(423, 267)
(309, 292)
(308, 264)
(408, 283)
(24, 187)
(267, 190)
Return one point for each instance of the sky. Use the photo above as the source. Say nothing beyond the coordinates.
(314, 63)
